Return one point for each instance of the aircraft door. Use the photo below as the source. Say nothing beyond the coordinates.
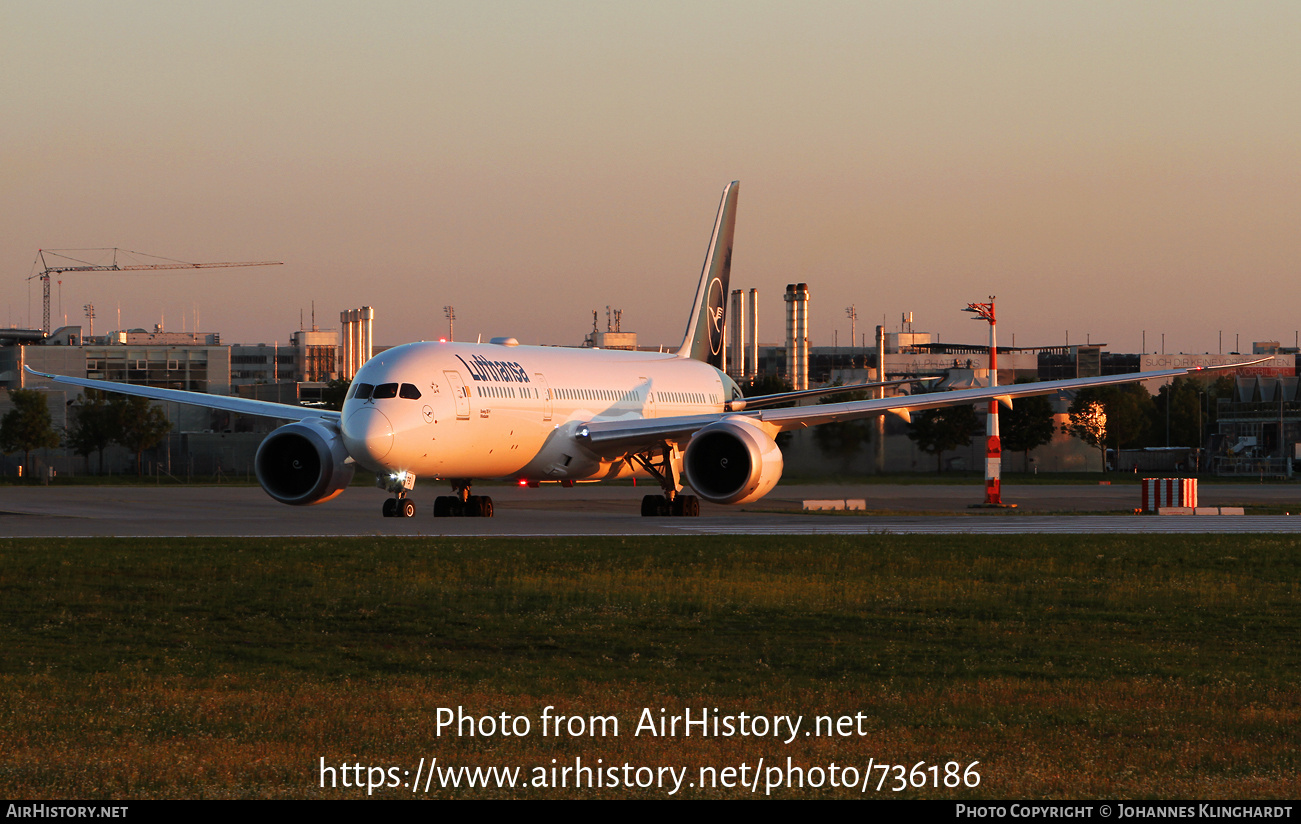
(461, 394)
(545, 389)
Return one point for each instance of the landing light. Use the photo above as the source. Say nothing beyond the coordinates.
(402, 478)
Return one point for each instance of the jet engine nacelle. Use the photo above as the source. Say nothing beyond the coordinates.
(303, 463)
(732, 462)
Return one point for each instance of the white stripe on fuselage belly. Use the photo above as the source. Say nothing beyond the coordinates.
(506, 437)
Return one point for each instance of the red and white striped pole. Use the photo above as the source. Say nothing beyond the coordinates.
(993, 446)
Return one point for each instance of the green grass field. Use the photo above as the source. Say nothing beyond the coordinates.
(1093, 667)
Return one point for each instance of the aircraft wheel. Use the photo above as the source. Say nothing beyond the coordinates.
(686, 505)
(485, 507)
(443, 506)
(406, 508)
(474, 506)
(390, 508)
(656, 506)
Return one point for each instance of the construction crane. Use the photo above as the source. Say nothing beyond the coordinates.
(43, 268)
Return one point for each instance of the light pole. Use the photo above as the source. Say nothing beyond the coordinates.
(993, 446)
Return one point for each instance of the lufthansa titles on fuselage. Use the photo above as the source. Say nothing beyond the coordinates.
(491, 370)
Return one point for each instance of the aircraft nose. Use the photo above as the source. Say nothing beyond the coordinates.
(368, 435)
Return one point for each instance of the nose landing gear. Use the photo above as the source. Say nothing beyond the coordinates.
(399, 506)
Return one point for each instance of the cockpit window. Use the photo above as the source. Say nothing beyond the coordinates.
(409, 392)
(362, 391)
(385, 390)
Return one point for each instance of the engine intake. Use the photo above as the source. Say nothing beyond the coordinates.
(732, 462)
(303, 463)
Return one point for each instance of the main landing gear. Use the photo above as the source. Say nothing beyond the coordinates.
(681, 505)
(672, 502)
(462, 503)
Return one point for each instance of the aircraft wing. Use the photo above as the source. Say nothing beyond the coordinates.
(783, 397)
(608, 436)
(243, 406)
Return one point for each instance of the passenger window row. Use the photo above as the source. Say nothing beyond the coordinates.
(685, 397)
(596, 395)
(502, 392)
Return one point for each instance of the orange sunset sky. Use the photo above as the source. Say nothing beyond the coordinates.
(1102, 167)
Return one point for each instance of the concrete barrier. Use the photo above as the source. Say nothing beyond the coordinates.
(820, 504)
(1200, 510)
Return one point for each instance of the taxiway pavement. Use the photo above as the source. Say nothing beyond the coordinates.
(590, 509)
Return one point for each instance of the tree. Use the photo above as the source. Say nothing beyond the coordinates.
(1178, 413)
(767, 385)
(844, 438)
(1026, 426)
(27, 426)
(140, 426)
(770, 385)
(1089, 423)
(938, 430)
(1223, 387)
(1130, 413)
(94, 426)
(335, 392)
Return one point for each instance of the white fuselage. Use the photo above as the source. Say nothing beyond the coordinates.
(455, 410)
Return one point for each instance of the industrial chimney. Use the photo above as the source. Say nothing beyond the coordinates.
(797, 335)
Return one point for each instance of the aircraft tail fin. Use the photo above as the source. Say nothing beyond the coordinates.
(704, 337)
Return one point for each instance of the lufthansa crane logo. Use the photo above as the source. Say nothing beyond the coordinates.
(714, 305)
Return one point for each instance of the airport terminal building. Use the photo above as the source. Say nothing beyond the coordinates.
(196, 362)
(1261, 423)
